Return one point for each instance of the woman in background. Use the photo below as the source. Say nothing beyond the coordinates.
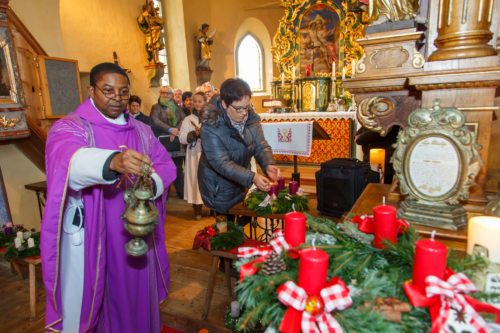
(190, 134)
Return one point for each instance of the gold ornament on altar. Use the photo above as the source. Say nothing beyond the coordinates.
(318, 39)
(6, 123)
(380, 11)
(141, 214)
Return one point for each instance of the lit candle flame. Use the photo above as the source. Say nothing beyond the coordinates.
(383, 200)
(433, 234)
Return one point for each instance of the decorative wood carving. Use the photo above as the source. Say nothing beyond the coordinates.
(464, 29)
(380, 112)
(390, 52)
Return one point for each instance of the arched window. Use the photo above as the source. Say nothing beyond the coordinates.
(250, 62)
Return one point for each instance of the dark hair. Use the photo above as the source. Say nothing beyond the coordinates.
(204, 25)
(234, 90)
(202, 94)
(104, 68)
(134, 98)
(186, 95)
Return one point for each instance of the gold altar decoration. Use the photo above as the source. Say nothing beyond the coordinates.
(286, 42)
(314, 47)
(141, 214)
(436, 161)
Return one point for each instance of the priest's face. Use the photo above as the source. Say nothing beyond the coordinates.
(110, 94)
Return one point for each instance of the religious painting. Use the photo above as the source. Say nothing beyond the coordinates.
(8, 85)
(318, 36)
(4, 204)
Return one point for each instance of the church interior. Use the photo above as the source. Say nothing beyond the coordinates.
(382, 117)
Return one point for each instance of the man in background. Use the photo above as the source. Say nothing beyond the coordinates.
(166, 120)
(178, 97)
(134, 108)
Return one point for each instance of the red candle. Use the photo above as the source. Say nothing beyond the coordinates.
(281, 183)
(313, 269)
(385, 225)
(295, 228)
(273, 190)
(430, 259)
(308, 70)
(293, 187)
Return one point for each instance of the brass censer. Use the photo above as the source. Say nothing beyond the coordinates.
(141, 215)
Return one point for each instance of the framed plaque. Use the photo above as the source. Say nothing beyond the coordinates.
(436, 161)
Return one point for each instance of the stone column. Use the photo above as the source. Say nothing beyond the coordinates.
(463, 29)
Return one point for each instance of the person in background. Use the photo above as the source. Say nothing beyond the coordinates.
(90, 280)
(231, 134)
(134, 108)
(187, 102)
(178, 97)
(166, 120)
(190, 135)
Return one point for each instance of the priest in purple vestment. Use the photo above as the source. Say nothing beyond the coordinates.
(92, 284)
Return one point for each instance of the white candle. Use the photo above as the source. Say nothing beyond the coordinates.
(31, 242)
(20, 235)
(282, 80)
(343, 73)
(353, 65)
(334, 69)
(334, 88)
(17, 243)
(235, 309)
(484, 232)
(293, 73)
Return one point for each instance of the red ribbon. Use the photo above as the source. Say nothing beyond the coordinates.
(278, 244)
(335, 296)
(441, 294)
(203, 238)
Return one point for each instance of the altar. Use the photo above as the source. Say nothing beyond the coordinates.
(340, 126)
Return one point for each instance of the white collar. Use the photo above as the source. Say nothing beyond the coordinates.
(120, 120)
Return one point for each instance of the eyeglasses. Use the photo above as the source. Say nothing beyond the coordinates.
(240, 109)
(111, 93)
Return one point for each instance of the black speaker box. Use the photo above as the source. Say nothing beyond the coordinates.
(340, 182)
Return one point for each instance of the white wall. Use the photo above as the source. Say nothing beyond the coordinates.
(18, 171)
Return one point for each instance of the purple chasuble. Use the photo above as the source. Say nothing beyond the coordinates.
(121, 293)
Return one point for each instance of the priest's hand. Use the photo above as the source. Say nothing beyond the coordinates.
(262, 182)
(128, 161)
(272, 172)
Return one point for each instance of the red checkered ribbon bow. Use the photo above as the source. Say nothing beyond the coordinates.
(451, 291)
(335, 296)
(278, 243)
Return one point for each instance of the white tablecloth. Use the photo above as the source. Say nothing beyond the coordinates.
(289, 138)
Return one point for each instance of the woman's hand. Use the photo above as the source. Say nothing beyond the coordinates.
(262, 182)
(128, 161)
(273, 171)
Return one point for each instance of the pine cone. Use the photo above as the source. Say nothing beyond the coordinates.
(274, 264)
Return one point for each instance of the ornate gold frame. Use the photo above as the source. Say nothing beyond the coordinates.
(285, 42)
(443, 209)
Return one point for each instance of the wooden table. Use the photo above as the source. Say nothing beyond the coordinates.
(229, 256)
(271, 222)
(372, 196)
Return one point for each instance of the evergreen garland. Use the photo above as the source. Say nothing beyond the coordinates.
(228, 240)
(283, 203)
(13, 253)
(369, 272)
